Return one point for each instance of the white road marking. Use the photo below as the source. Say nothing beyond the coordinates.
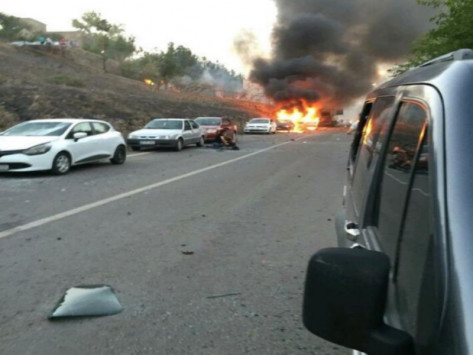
(105, 201)
(136, 155)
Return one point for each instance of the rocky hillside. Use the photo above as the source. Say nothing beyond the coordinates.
(36, 82)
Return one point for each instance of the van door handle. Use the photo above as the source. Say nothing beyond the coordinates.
(351, 228)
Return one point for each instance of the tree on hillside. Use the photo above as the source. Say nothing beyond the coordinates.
(143, 67)
(11, 27)
(453, 30)
(180, 66)
(176, 62)
(108, 40)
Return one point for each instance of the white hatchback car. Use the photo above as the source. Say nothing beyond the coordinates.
(260, 125)
(57, 144)
(167, 133)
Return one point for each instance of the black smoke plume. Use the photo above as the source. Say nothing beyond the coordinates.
(328, 50)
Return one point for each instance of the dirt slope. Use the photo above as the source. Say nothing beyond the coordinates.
(41, 83)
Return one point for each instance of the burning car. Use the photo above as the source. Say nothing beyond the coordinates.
(285, 125)
(308, 126)
(304, 119)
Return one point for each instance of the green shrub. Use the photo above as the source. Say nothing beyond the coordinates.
(66, 80)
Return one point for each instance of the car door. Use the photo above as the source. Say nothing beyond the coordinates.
(83, 149)
(187, 134)
(358, 185)
(105, 139)
(398, 223)
(196, 131)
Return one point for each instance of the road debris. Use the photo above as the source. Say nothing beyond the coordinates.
(87, 301)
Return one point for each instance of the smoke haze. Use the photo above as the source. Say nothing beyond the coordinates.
(328, 50)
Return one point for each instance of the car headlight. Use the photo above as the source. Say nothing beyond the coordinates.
(132, 136)
(38, 149)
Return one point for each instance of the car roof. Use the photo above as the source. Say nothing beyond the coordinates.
(209, 117)
(69, 120)
(434, 72)
(169, 119)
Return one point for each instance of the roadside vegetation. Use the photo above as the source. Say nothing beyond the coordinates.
(109, 78)
(452, 30)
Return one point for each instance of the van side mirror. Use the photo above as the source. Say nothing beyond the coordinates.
(344, 301)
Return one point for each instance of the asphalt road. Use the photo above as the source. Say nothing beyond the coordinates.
(205, 249)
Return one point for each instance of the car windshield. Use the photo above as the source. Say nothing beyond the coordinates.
(208, 121)
(259, 120)
(164, 124)
(38, 129)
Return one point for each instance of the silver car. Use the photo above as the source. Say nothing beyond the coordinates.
(167, 133)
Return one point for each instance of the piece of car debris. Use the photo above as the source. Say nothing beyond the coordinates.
(87, 301)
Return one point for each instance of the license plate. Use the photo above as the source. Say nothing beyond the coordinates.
(4, 167)
(147, 142)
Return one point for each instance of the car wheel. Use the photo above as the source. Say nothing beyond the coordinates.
(136, 149)
(61, 164)
(119, 156)
(201, 142)
(179, 145)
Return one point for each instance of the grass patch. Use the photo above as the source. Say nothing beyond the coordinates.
(61, 79)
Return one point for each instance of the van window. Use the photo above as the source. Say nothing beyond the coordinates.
(396, 173)
(355, 145)
(379, 118)
(417, 286)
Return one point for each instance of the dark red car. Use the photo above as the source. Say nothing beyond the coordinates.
(212, 125)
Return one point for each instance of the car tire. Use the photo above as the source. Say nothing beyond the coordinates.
(201, 142)
(179, 145)
(119, 156)
(61, 164)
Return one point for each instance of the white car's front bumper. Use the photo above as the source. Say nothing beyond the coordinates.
(23, 162)
(256, 129)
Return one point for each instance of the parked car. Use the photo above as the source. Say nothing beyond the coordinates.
(260, 125)
(167, 133)
(213, 125)
(401, 281)
(284, 125)
(58, 144)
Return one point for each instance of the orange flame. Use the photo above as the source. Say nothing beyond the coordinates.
(300, 117)
(149, 82)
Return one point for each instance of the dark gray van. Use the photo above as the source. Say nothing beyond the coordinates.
(401, 281)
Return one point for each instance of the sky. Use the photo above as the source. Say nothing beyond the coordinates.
(207, 27)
